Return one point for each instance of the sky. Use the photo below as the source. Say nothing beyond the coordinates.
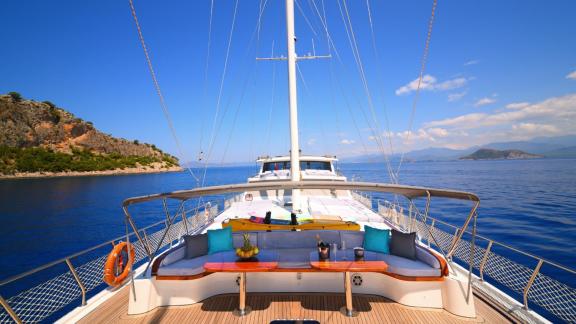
(496, 71)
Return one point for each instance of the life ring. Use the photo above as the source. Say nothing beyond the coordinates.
(115, 271)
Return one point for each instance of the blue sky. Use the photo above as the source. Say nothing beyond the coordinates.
(497, 71)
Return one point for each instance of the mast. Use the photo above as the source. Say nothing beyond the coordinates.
(293, 103)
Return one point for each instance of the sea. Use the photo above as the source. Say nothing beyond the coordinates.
(529, 205)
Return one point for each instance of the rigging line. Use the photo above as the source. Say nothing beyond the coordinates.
(354, 46)
(210, 146)
(235, 118)
(331, 45)
(269, 125)
(157, 87)
(347, 104)
(422, 70)
(206, 71)
(308, 93)
(305, 18)
(260, 14)
(227, 106)
(379, 67)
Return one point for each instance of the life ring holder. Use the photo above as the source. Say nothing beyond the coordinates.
(115, 260)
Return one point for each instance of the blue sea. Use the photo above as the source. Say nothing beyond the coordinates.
(527, 204)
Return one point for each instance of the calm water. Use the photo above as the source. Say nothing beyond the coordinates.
(527, 204)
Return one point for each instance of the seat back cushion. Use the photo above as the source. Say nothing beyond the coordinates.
(403, 244)
(220, 240)
(427, 257)
(174, 255)
(295, 240)
(352, 238)
(238, 238)
(196, 245)
(376, 240)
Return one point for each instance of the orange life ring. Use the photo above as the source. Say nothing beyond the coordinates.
(115, 263)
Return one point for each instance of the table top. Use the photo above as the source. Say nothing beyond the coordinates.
(343, 261)
(230, 262)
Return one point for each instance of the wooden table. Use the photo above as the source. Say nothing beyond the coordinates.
(229, 262)
(344, 261)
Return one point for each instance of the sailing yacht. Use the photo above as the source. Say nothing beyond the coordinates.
(297, 243)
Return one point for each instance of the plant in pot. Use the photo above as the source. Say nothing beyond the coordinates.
(247, 250)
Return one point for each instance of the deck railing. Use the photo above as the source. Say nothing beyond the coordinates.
(526, 281)
(74, 280)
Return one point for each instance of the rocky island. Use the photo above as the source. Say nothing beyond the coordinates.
(38, 139)
(491, 154)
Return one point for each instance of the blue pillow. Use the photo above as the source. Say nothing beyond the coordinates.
(220, 240)
(376, 240)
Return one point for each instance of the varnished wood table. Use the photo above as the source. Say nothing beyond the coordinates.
(344, 261)
(229, 262)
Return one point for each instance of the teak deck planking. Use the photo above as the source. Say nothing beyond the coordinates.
(267, 307)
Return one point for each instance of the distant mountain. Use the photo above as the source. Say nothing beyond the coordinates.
(40, 137)
(491, 154)
(562, 153)
(550, 147)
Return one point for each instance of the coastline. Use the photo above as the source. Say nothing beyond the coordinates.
(127, 171)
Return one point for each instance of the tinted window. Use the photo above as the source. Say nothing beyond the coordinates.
(304, 165)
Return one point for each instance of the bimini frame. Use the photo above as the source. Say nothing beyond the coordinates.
(409, 192)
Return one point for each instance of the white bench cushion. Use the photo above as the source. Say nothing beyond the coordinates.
(184, 267)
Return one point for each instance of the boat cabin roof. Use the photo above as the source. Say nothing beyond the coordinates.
(285, 158)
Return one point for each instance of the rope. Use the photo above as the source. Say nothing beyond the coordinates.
(212, 136)
(422, 70)
(269, 124)
(305, 18)
(354, 46)
(379, 67)
(158, 90)
(206, 73)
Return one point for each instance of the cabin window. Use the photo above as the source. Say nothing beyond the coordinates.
(304, 165)
(315, 165)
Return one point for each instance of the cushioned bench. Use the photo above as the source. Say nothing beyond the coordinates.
(294, 249)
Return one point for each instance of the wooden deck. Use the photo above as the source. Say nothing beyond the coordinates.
(267, 307)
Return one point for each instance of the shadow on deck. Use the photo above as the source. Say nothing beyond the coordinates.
(267, 307)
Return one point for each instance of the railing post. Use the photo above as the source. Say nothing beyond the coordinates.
(77, 278)
(10, 311)
(146, 242)
(430, 231)
(530, 282)
(485, 259)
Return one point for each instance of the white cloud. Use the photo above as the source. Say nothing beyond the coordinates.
(553, 116)
(556, 114)
(438, 132)
(430, 83)
(571, 75)
(484, 101)
(347, 142)
(518, 105)
(311, 142)
(471, 62)
(535, 129)
(456, 96)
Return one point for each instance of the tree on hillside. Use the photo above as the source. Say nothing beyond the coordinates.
(15, 96)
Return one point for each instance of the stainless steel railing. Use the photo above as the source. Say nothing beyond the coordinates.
(526, 281)
(74, 281)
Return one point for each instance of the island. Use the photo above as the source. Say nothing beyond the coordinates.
(39, 139)
(491, 154)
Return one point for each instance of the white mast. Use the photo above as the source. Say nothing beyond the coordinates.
(293, 103)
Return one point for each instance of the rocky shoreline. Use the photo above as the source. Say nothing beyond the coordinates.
(138, 170)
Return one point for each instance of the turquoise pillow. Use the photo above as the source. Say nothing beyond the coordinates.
(376, 240)
(220, 240)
